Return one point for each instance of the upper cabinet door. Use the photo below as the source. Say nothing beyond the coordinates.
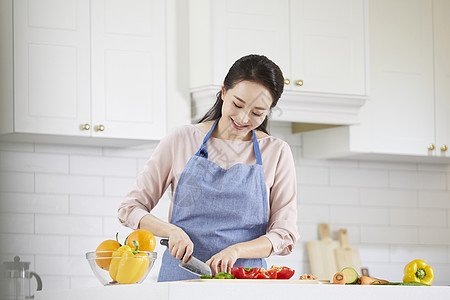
(128, 68)
(243, 27)
(441, 25)
(328, 46)
(51, 66)
(223, 31)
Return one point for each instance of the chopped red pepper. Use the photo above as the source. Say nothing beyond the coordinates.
(269, 274)
(273, 273)
(285, 273)
(244, 273)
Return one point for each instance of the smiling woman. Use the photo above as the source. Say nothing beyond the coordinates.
(233, 185)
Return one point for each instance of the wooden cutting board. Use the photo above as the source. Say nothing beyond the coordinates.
(347, 256)
(321, 254)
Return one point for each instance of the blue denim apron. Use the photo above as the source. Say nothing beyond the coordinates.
(218, 208)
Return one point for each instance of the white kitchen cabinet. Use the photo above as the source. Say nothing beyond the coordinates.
(441, 25)
(128, 68)
(90, 68)
(319, 45)
(327, 46)
(235, 28)
(51, 66)
(408, 110)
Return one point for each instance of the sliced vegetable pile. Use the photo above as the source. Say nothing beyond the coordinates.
(254, 273)
(244, 273)
(220, 275)
(307, 277)
(416, 273)
(283, 272)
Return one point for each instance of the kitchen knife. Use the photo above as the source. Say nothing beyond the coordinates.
(194, 265)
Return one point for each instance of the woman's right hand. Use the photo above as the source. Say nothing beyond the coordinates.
(180, 245)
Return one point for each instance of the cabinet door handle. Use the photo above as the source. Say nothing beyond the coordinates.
(444, 148)
(431, 147)
(287, 81)
(299, 82)
(85, 126)
(99, 128)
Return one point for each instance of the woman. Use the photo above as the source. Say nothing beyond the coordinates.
(233, 185)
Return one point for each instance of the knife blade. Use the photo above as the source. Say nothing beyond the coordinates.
(194, 265)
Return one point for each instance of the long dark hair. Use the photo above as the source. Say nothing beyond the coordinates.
(255, 68)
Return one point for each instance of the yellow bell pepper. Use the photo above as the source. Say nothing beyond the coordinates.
(418, 271)
(128, 266)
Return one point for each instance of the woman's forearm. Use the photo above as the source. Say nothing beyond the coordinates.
(258, 248)
(180, 245)
(224, 260)
(156, 226)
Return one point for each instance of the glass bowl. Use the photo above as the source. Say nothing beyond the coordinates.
(121, 270)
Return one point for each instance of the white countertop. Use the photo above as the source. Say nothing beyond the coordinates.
(255, 290)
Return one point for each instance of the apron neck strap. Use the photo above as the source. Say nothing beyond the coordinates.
(256, 149)
(203, 152)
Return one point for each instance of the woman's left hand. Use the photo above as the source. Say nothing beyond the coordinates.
(224, 260)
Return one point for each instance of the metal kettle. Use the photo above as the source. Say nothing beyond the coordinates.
(16, 280)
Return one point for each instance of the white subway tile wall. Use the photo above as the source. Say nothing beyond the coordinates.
(58, 202)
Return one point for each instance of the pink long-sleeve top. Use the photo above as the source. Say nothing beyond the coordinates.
(170, 157)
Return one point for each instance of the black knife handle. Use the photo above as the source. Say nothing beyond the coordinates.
(164, 242)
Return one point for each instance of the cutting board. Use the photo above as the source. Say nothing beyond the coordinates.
(321, 254)
(256, 281)
(347, 256)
